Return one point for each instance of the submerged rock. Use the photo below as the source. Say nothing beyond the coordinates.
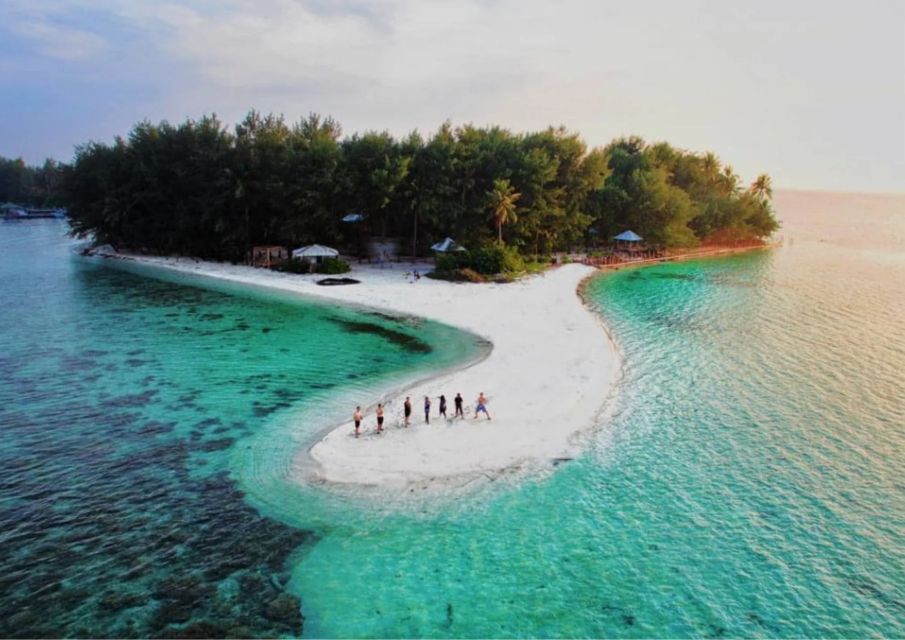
(201, 629)
(172, 612)
(184, 589)
(217, 445)
(285, 609)
(116, 601)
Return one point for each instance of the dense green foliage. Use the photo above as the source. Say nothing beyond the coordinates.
(485, 260)
(675, 198)
(200, 189)
(333, 266)
(27, 185)
(330, 266)
(293, 265)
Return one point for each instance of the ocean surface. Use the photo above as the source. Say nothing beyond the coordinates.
(747, 479)
(123, 399)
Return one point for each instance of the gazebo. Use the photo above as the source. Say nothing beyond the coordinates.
(447, 246)
(268, 255)
(628, 240)
(316, 252)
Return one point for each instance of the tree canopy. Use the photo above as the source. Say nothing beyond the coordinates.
(24, 184)
(201, 188)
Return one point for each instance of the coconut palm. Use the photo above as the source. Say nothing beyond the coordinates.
(730, 179)
(762, 188)
(501, 202)
(711, 164)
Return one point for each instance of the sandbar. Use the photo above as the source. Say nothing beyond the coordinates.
(548, 376)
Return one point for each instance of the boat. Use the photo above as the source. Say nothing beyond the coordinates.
(15, 212)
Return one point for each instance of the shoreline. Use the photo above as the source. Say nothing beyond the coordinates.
(718, 251)
(549, 373)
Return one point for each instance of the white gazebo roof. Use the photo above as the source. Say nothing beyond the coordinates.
(315, 251)
(447, 245)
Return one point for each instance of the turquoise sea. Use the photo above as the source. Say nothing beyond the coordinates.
(747, 480)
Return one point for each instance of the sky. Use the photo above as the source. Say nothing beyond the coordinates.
(812, 93)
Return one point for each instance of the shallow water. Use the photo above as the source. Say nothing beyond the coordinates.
(122, 401)
(747, 481)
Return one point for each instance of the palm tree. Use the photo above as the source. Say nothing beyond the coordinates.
(501, 202)
(711, 164)
(762, 188)
(730, 180)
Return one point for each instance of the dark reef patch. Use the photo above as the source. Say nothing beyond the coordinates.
(408, 342)
(130, 400)
(660, 275)
(217, 445)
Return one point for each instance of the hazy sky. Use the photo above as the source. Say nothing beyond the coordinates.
(811, 92)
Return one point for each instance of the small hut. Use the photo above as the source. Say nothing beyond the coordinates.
(628, 241)
(447, 246)
(268, 255)
(315, 252)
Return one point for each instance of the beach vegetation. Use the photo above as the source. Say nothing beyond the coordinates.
(458, 275)
(203, 189)
(23, 184)
(332, 266)
(487, 260)
(501, 202)
(468, 275)
(294, 265)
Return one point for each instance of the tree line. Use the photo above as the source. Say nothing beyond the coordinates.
(24, 184)
(200, 188)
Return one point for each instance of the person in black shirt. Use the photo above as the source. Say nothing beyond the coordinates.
(357, 418)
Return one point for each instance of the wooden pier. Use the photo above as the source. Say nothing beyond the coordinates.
(620, 260)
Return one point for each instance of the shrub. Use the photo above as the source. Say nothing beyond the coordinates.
(537, 267)
(512, 260)
(448, 262)
(333, 266)
(487, 260)
(457, 275)
(293, 266)
(468, 275)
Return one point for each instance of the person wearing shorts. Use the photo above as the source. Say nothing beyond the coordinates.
(481, 405)
(379, 418)
(407, 407)
(357, 418)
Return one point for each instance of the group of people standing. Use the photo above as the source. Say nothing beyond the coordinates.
(480, 407)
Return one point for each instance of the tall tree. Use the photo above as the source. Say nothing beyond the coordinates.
(376, 168)
(762, 187)
(197, 188)
(501, 202)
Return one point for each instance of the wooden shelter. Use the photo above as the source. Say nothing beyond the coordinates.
(628, 241)
(268, 255)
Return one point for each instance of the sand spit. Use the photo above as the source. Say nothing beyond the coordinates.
(547, 377)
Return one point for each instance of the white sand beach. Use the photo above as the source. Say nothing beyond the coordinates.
(547, 377)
